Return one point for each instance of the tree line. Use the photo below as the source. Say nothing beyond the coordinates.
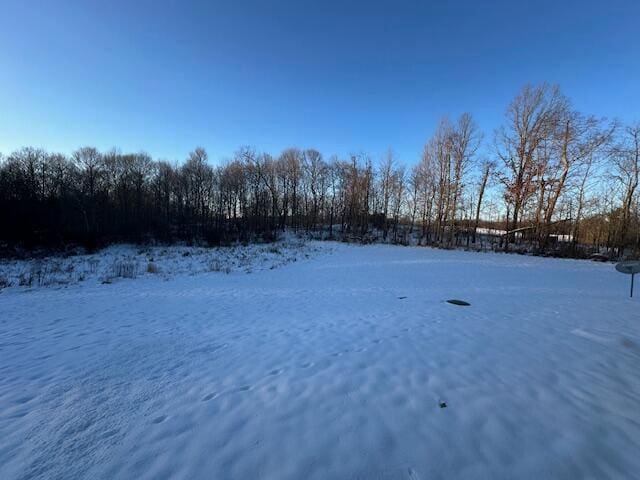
(550, 179)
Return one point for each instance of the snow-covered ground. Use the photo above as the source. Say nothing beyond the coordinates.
(335, 366)
(129, 261)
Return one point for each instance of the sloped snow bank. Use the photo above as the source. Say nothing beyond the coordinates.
(131, 261)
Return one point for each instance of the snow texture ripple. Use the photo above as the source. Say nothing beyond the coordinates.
(335, 366)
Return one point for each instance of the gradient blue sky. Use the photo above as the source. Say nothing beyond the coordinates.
(166, 76)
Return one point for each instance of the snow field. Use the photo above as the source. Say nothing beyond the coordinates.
(320, 370)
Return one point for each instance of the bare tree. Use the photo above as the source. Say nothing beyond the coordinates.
(487, 170)
(531, 120)
(626, 158)
(576, 139)
(465, 140)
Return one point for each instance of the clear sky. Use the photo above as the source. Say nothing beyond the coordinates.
(340, 76)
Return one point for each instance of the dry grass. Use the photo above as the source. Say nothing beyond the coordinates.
(152, 268)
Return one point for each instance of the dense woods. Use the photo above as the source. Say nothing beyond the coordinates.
(550, 180)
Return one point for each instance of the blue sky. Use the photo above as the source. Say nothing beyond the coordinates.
(166, 76)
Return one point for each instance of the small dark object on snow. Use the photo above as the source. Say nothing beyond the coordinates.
(401, 298)
(442, 404)
(462, 303)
